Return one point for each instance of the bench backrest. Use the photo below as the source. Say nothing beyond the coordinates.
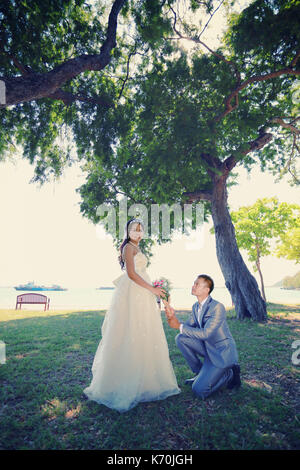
(32, 298)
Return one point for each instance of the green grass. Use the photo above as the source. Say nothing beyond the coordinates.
(49, 358)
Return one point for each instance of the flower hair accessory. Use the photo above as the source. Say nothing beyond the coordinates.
(135, 221)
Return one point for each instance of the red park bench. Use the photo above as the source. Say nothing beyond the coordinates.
(32, 299)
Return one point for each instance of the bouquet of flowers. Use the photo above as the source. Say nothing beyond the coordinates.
(165, 284)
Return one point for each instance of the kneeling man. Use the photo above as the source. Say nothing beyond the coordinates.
(206, 342)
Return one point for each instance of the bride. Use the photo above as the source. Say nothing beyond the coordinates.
(132, 363)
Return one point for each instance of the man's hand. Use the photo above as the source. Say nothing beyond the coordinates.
(173, 322)
(170, 312)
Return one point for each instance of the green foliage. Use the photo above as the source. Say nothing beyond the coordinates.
(150, 23)
(40, 37)
(266, 221)
(267, 28)
(289, 246)
(264, 38)
(174, 102)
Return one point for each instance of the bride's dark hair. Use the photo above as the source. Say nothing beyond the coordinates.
(125, 241)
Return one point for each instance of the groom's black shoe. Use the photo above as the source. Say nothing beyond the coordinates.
(236, 380)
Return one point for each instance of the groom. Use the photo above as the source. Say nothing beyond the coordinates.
(206, 342)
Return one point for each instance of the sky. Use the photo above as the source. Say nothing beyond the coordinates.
(45, 239)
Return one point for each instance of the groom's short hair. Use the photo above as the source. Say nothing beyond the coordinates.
(209, 281)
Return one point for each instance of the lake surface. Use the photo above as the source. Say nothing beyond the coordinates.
(91, 298)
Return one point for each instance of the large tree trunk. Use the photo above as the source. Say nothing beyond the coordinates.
(239, 281)
(260, 273)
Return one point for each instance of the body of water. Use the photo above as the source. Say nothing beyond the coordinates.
(91, 298)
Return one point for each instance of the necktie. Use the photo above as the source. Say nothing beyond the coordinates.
(199, 313)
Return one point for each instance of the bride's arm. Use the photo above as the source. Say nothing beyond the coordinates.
(132, 274)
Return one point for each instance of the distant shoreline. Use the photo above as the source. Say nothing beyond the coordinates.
(62, 311)
(188, 287)
(290, 288)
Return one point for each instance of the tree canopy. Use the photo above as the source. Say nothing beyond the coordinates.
(195, 114)
(67, 68)
(51, 61)
(289, 246)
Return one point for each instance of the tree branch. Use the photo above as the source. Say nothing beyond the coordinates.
(211, 16)
(68, 98)
(263, 139)
(229, 107)
(198, 41)
(226, 166)
(258, 143)
(24, 69)
(198, 195)
(256, 78)
(40, 85)
(288, 125)
(127, 73)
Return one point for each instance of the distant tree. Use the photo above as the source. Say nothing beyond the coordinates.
(257, 226)
(289, 246)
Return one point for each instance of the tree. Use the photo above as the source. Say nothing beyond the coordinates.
(258, 225)
(196, 116)
(65, 67)
(208, 111)
(289, 246)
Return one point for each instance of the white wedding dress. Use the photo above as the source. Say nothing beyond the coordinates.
(132, 363)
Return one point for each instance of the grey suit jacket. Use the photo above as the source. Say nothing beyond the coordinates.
(213, 330)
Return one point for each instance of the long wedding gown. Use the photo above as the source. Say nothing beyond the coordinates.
(132, 363)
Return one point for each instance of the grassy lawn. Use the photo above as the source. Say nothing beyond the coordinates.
(49, 359)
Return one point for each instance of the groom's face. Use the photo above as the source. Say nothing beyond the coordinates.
(200, 288)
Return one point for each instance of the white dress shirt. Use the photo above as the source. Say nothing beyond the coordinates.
(198, 312)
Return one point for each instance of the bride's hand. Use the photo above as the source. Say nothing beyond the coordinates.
(159, 291)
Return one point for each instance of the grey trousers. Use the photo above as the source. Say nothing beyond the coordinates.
(209, 377)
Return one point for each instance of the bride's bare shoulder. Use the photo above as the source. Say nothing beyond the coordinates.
(129, 250)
